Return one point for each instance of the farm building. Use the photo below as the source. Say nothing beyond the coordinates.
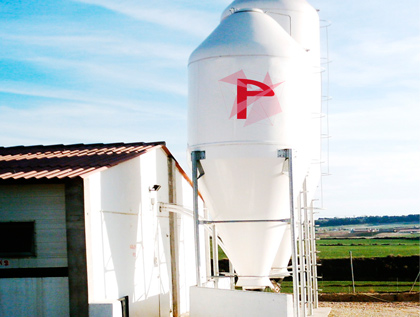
(93, 230)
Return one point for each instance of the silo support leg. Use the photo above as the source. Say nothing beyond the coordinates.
(196, 156)
(288, 155)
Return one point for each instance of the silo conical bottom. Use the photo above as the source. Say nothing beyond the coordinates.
(251, 247)
(247, 187)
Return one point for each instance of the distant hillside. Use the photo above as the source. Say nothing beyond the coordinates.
(370, 220)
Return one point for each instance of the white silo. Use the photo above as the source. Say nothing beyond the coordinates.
(250, 91)
(301, 21)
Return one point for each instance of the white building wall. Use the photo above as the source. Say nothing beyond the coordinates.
(128, 237)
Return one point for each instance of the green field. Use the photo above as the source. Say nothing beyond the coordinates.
(360, 247)
(360, 287)
(340, 248)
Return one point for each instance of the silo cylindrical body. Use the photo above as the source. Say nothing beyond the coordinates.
(249, 83)
(301, 21)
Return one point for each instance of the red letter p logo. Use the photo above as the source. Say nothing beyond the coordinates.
(243, 93)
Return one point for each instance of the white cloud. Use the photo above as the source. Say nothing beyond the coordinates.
(380, 62)
(89, 122)
(166, 14)
(103, 45)
(94, 73)
(61, 98)
(372, 184)
(390, 124)
(99, 60)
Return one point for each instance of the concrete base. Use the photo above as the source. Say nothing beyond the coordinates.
(322, 312)
(111, 308)
(210, 302)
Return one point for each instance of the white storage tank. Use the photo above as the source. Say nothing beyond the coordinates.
(249, 96)
(301, 21)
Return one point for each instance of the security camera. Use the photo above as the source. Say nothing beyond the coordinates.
(154, 188)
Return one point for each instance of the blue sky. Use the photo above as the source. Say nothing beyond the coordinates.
(116, 71)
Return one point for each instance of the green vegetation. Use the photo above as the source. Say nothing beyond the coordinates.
(360, 247)
(368, 248)
(371, 220)
(221, 253)
(360, 287)
(381, 247)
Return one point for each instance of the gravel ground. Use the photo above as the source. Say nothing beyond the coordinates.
(372, 309)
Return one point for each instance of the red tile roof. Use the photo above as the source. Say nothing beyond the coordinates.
(61, 161)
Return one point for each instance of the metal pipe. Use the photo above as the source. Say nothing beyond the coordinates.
(194, 161)
(215, 246)
(352, 273)
(314, 260)
(301, 253)
(308, 259)
(232, 276)
(287, 220)
(207, 235)
(414, 284)
(288, 154)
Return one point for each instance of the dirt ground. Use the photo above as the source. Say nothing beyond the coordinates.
(372, 309)
(370, 297)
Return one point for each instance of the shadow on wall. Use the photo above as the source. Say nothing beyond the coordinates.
(120, 226)
(137, 269)
(119, 232)
(135, 239)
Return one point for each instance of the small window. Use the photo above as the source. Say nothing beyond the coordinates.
(17, 239)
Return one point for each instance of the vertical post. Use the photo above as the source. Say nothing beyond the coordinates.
(287, 154)
(313, 255)
(215, 246)
(307, 257)
(207, 243)
(352, 273)
(196, 156)
(301, 254)
(173, 238)
(232, 275)
(76, 247)
(414, 284)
